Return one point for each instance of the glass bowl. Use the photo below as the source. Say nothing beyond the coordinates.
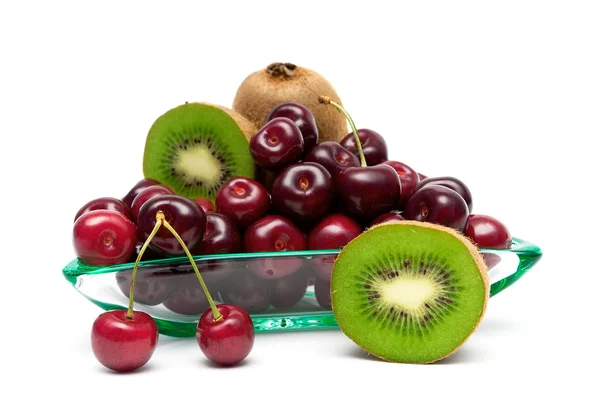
(282, 291)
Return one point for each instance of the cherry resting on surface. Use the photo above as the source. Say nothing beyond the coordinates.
(449, 182)
(242, 200)
(439, 205)
(488, 232)
(302, 117)
(277, 144)
(104, 237)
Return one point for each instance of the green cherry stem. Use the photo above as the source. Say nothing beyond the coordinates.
(217, 316)
(327, 101)
(159, 220)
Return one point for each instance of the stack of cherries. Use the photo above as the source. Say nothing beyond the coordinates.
(308, 194)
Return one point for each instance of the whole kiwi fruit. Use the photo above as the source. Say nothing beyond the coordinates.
(262, 90)
(196, 147)
(409, 292)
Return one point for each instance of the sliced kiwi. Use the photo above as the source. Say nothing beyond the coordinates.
(194, 148)
(409, 292)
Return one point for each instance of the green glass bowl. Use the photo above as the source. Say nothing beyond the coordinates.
(282, 291)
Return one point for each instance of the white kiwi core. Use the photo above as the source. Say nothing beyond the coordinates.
(199, 163)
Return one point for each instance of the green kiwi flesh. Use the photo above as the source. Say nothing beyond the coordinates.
(409, 292)
(194, 148)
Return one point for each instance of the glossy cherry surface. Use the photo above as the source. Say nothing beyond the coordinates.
(369, 191)
(220, 236)
(388, 216)
(137, 188)
(183, 214)
(303, 192)
(302, 117)
(107, 203)
(243, 201)
(229, 340)
(333, 157)
(409, 179)
(488, 232)
(145, 195)
(103, 237)
(122, 344)
(277, 144)
(333, 232)
(205, 203)
(439, 205)
(373, 145)
(450, 182)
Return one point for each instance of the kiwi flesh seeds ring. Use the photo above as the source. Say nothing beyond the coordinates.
(196, 147)
(409, 292)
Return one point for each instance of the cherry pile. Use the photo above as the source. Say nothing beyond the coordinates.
(307, 195)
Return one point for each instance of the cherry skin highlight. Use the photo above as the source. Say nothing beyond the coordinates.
(243, 201)
(205, 203)
(409, 179)
(112, 204)
(145, 195)
(137, 188)
(488, 232)
(439, 205)
(450, 182)
(333, 157)
(122, 344)
(373, 145)
(104, 237)
(302, 117)
(228, 340)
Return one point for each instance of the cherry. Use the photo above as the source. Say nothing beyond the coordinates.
(104, 237)
(265, 177)
(153, 285)
(491, 259)
(332, 157)
(302, 117)
(220, 236)
(286, 292)
(112, 204)
(205, 203)
(439, 205)
(388, 216)
(373, 146)
(242, 200)
(449, 182)
(228, 339)
(137, 188)
(323, 291)
(124, 343)
(488, 232)
(182, 213)
(145, 195)
(247, 291)
(277, 144)
(422, 177)
(303, 191)
(188, 301)
(273, 233)
(408, 179)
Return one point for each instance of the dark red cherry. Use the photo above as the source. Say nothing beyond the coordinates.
(302, 117)
(242, 200)
(277, 144)
(332, 157)
(144, 196)
(112, 204)
(373, 145)
(369, 191)
(220, 236)
(103, 237)
(449, 182)
(274, 233)
(303, 192)
(439, 205)
(183, 214)
(408, 179)
(388, 216)
(137, 188)
(205, 203)
(488, 232)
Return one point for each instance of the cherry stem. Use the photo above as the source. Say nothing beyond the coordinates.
(327, 101)
(159, 220)
(217, 316)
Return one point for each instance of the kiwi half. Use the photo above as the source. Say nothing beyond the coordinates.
(196, 147)
(409, 292)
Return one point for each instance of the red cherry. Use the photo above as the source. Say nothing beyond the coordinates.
(408, 179)
(388, 216)
(145, 195)
(242, 200)
(137, 188)
(123, 344)
(488, 232)
(227, 341)
(205, 203)
(113, 204)
(104, 237)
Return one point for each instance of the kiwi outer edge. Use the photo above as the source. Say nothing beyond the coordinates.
(471, 247)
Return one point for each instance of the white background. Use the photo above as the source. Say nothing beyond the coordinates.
(504, 96)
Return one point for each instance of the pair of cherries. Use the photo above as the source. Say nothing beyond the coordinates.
(125, 340)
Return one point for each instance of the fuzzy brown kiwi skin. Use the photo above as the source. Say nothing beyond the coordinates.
(262, 90)
(473, 250)
(247, 127)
